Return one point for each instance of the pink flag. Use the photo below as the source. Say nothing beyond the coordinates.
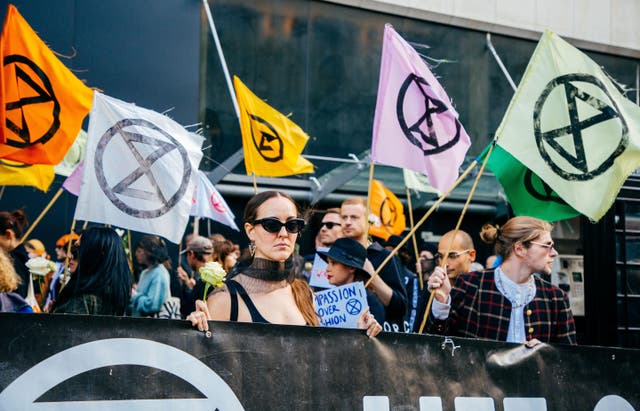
(72, 183)
(415, 125)
(207, 202)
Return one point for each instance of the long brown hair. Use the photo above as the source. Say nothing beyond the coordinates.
(303, 295)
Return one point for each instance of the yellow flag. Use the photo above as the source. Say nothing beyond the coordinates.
(272, 143)
(44, 102)
(13, 173)
(387, 210)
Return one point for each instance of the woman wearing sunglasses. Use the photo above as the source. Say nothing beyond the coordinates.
(266, 291)
(508, 303)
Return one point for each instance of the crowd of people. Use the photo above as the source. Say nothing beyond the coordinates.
(506, 300)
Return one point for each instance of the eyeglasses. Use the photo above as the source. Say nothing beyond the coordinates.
(452, 255)
(548, 246)
(273, 225)
(330, 224)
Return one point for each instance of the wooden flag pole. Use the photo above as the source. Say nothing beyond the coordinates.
(370, 185)
(130, 250)
(255, 183)
(84, 226)
(415, 242)
(37, 220)
(455, 233)
(422, 220)
(2, 191)
(196, 225)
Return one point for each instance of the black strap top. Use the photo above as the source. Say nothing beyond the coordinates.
(236, 289)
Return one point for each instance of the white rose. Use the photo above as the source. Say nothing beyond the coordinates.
(40, 266)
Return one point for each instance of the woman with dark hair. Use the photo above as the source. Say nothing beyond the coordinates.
(346, 264)
(266, 291)
(101, 283)
(154, 285)
(11, 226)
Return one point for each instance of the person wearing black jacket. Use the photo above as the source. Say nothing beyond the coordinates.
(387, 286)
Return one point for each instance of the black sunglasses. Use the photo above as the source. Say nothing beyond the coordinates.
(330, 224)
(273, 225)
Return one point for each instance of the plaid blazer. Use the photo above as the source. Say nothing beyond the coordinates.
(479, 310)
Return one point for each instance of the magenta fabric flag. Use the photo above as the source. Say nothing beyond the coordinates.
(72, 183)
(415, 125)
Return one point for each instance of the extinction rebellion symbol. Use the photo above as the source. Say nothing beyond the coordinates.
(34, 93)
(582, 149)
(539, 189)
(388, 214)
(141, 186)
(414, 126)
(268, 143)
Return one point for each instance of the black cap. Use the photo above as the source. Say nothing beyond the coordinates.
(349, 252)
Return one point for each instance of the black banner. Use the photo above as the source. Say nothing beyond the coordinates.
(64, 362)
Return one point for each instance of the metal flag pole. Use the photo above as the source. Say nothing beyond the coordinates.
(223, 62)
(499, 61)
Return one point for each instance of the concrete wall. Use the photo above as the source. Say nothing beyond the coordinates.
(601, 25)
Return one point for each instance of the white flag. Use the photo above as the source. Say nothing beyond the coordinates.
(207, 202)
(139, 171)
(418, 182)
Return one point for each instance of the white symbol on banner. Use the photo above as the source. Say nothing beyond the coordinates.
(22, 393)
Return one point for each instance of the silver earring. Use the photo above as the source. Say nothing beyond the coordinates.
(252, 248)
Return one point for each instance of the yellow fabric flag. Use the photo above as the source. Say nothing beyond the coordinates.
(272, 143)
(387, 210)
(13, 173)
(44, 101)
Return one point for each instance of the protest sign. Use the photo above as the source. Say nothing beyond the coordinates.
(340, 306)
(318, 276)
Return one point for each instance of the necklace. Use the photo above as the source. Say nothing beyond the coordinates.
(531, 289)
(269, 270)
(257, 286)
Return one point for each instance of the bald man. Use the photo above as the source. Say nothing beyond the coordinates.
(461, 255)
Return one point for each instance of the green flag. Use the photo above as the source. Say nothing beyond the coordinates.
(527, 193)
(570, 125)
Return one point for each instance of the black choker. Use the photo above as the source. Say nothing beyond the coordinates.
(269, 270)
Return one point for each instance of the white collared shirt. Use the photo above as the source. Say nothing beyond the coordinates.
(518, 294)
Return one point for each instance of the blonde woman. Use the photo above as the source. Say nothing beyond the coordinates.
(10, 301)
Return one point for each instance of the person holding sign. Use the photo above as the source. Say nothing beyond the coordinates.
(346, 264)
(508, 303)
(266, 291)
